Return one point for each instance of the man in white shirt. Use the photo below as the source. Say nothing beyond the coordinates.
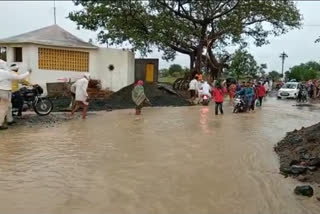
(206, 89)
(193, 88)
(266, 87)
(6, 78)
(80, 89)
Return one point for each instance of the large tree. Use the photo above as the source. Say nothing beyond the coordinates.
(305, 71)
(242, 65)
(274, 75)
(175, 68)
(200, 29)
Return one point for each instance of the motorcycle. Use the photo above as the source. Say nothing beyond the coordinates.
(239, 104)
(302, 95)
(205, 100)
(32, 100)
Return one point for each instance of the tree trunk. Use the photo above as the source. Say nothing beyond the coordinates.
(192, 59)
(199, 57)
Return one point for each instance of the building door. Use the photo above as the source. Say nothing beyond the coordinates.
(149, 72)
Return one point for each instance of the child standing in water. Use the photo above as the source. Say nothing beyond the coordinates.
(218, 96)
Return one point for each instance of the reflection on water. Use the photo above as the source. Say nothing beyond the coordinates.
(171, 160)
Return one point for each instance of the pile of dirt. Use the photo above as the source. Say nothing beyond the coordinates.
(299, 154)
(95, 91)
(159, 95)
(62, 89)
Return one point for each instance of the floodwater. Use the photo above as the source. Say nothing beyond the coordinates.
(171, 160)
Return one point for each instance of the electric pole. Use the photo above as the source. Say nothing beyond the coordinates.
(54, 12)
(283, 57)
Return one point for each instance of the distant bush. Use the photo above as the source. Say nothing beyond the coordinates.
(177, 74)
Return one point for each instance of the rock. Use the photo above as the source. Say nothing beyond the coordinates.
(306, 156)
(318, 198)
(305, 190)
(312, 168)
(285, 170)
(296, 169)
(314, 162)
(300, 149)
(294, 162)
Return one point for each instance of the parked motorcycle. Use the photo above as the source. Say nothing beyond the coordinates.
(239, 104)
(33, 100)
(302, 95)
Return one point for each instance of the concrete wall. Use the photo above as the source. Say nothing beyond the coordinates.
(99, 61)
(140, 69)
(123, 73)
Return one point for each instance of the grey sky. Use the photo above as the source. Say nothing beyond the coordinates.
(17, 17)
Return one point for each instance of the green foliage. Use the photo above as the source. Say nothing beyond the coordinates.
(274, 75)
(184, 26)
(242, 65)
(164, 72)
(304, 71)
(262, 70)
(176, 74)
(175, 68)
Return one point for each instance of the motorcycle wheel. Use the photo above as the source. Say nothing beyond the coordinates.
(43, 107)
(236, 109)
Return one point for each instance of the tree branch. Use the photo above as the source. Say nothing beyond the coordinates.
(223, 13)
(180, 50)
(177, 13)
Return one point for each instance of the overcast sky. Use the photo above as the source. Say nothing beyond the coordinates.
(17, 17)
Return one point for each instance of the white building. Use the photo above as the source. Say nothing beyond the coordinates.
(55, 55)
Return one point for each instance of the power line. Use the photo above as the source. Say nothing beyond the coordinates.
(54, 12)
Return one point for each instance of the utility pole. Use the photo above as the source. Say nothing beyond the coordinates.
(283, 57)
(54, 12)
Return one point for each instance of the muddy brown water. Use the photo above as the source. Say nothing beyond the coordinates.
(171, 160)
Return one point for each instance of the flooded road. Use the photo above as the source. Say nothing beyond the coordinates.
(172, 160)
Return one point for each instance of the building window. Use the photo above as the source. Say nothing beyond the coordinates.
(3, 53)
(63, 60)
(17, 54)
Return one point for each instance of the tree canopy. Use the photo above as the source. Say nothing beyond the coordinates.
(175, 68)
(200, 29)
(304, 71)
(242, 65)
(274, 75)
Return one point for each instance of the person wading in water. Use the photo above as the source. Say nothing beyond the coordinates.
(218, 96)
(80, 88)
(139, 97)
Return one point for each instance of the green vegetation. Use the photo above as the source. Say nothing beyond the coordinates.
(304, 71)
(188, 27)
(242, 65)
(167, 79)
(172, 73)
(274, 75)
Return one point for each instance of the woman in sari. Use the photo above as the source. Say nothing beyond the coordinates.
(139, 97)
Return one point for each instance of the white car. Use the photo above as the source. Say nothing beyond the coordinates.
(289, 90)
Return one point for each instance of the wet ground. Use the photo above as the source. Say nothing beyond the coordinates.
(170, 160)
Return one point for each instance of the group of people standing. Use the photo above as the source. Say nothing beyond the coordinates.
(313, 88)
(251, 92)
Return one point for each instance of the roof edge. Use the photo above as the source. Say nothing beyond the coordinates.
(46, 44)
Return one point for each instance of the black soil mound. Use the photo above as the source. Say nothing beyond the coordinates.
(299, 154)
(157, 95)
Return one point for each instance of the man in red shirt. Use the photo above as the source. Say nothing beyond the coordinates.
(261, 92)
